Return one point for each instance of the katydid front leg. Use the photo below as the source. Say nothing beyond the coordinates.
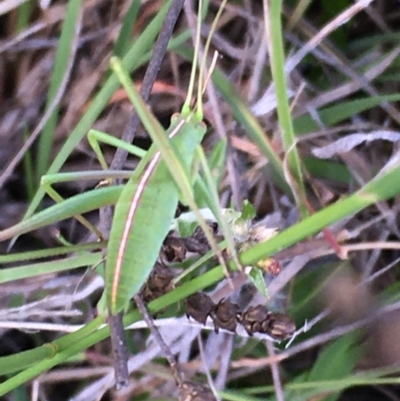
(48, 181)
(94, 137)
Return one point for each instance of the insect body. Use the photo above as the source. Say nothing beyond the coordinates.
(143, 215)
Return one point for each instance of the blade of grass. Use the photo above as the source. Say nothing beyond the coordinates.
(61, 67)
(327, 169)
(37, 269)
(45, 253)
(283, 107)
(208, 186)
(47, 351)
(78, 204)
(245, 117)
(24, 15)
(28, 170)
(122, 43)
(338, 113)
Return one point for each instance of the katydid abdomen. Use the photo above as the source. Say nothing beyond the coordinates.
(143, 216)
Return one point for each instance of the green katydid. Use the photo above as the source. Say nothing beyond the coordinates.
(144, 213)
(146, 207)
(150, 182)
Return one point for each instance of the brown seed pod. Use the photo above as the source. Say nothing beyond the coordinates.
(259, 319)
(225, 315)
(158, 283)
(198, 242)
(253, 318)
(278, 326)
(174, 249)
(199, 235)
(199, 306)
(192, 245)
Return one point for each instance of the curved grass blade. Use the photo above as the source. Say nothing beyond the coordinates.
(78, 204)
(71, 21)
(335, 114)
(283, 108)
(54, 266)
(56, 251)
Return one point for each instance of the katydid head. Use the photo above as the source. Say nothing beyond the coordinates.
(198, 125)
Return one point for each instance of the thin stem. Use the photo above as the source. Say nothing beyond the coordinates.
(275, 373)
(160, 341)
(120, 351)
(149, 78)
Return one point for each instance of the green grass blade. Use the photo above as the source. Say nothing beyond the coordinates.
(336, 361)
(122, 43)
(283, 107)
(61, 67)
(78, 204)
(29, 169)
(210, 187)
(333, 115)
(45, 253)
(46, 352)
(246, 118)
(24, 15)
(383, 187)
(62, 350)
(327, 169)
(37, 269)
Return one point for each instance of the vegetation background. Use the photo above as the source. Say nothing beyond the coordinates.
(307, 94)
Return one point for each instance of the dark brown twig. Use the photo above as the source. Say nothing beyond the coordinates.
(119, 350)
(160, 341)
(149, 78)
